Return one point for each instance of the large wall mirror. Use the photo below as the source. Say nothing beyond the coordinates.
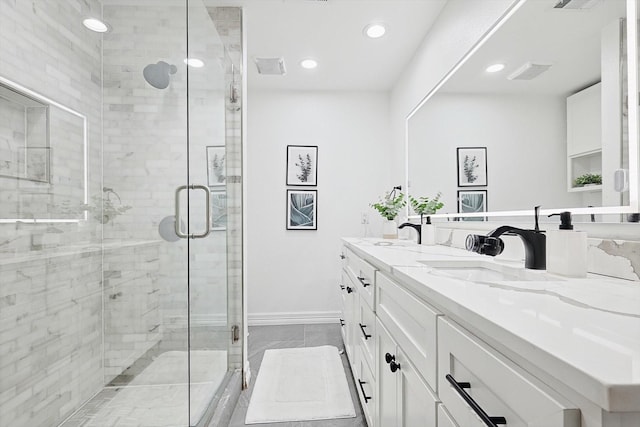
(551, 128)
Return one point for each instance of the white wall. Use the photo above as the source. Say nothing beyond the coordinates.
(525, 137)
(292, 275)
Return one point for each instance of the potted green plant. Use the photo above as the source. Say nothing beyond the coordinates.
(586, 179)
(425, 206)
(389, 207)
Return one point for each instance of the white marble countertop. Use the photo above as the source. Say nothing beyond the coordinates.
(583, 332)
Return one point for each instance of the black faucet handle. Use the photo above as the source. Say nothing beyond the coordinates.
(536, 213)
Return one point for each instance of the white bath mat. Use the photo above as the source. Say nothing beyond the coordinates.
(300, 384)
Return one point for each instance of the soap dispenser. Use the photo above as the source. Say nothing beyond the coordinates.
(428, 233)
(567, 249)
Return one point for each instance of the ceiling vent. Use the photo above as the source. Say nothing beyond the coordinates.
(270, 66)
(575, 4)
(529, 71)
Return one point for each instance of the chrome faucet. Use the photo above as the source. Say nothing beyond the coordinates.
(535, 243)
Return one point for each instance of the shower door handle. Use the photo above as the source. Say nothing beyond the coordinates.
(207, 193)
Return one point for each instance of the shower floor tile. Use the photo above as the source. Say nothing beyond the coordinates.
(158, 397)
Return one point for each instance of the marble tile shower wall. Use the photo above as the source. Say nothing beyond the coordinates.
(50, 288)
(145, 157)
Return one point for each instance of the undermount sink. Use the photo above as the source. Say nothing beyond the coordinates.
(486, 271)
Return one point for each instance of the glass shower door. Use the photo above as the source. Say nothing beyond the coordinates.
(164, 353)
(209, 330)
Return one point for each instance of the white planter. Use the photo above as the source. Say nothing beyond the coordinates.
(389, 229)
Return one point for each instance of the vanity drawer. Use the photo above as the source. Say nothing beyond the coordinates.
(364, 274)
(366, 386)
(495, 384)
(366, 332)
(412, 323)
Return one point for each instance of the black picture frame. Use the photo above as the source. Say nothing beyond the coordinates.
(472, 166)
(302, 165)
(472, 201)
(302, 209)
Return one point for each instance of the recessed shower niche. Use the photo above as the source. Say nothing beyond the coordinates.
(43, 146)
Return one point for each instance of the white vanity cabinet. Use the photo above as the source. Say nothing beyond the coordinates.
(358, 327)
(476, 382)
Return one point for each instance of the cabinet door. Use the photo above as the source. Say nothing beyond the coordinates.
(417, 405)
(387, 381)
(349, 298)
(584, 133)
(444, 419)
(404, 398)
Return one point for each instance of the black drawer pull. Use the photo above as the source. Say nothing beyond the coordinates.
(366, 335)
(459, 388)
(341, 322)
(366, 398)
(365, 284)
(389, 358)
(394, 366)
(342, 256)
(349, 290)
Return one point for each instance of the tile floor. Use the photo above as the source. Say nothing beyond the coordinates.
(262, 338)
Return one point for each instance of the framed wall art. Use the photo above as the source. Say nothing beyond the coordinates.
(218, 209)
(302, 209)
(216, 165)
(302, 165)
(472, 166)
(472, 201)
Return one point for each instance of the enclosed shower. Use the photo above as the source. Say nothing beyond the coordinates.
(120, 212)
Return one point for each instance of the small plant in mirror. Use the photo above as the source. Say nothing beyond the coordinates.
(426, 206)
(586, 179)
(390, 205)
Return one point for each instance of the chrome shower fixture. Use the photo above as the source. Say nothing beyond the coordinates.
(158, 74)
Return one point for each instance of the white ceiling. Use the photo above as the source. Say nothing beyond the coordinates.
(331, 32)
(568, 39)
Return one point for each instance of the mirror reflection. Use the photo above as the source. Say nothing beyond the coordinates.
(536, 116)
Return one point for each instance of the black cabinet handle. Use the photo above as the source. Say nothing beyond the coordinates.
(459, 388)
(341, 322)
(394, 366)
(349, 290)
(366, 336)
(366, 398)
(342, 256)
(365, 284)
(389, 358)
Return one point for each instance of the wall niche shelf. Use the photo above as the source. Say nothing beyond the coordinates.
(580, 164)
(586, 188)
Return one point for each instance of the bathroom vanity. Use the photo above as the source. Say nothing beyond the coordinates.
(438, 336)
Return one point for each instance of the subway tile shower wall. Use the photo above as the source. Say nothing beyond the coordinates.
(55, 351)
(50, 274)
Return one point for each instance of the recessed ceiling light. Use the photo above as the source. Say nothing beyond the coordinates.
(194, 62)
(96, 25)
(494, 68)
(375, 31)
(309, 63)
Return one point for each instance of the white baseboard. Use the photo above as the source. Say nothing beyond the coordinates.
(295, 318)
